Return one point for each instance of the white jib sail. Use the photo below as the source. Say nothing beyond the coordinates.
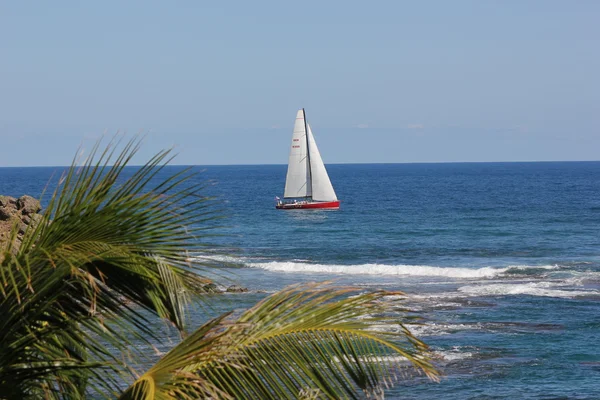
(297, 181)
(322, 190)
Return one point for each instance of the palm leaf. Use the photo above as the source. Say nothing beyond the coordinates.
(106, 245)
(305, 341)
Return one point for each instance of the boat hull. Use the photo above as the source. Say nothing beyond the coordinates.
(309, 205)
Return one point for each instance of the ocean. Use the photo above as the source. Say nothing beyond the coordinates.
(502, 261)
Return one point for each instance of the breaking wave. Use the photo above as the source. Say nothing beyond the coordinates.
(547, 289)
(384, 269)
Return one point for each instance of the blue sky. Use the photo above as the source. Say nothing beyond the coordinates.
(381, 81)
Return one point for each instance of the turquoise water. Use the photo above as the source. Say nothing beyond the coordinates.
(501, 259)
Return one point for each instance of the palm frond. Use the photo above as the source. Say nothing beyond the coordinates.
(130, 235)
(305, 341)
(106, 244)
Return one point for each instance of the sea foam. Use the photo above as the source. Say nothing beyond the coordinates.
(548, 289)
(385, 269)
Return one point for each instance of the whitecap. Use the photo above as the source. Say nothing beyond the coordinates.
(381, 269)
(548, 289)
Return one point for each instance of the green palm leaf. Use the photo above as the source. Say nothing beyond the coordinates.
(305, 341)
(106, 246)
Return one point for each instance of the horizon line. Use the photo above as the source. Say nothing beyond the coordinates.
(338, 163)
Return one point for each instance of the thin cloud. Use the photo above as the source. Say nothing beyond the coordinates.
(415, 126)
(362, 126)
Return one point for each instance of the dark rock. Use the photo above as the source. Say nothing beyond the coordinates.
(236, 289)
(5, 214)
(28, 205)
(211, 288)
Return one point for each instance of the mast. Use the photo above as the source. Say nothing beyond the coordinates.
(307, 151)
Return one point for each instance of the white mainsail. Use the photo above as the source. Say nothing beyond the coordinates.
(322, 190)
(297, 181)
(306, 174)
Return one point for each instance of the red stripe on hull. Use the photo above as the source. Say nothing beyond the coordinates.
(308, 206)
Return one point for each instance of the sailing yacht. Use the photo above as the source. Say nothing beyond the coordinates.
(307, 185)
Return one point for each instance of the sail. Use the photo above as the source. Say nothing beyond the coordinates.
(321, 185)
(297, 181)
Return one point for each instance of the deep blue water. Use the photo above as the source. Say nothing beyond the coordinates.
(502, 260)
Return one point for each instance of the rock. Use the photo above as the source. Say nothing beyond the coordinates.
(22, 228)
(5, 201)
(35, 219)
(236, 289)
(28, 205)
(5, 214)
(8, 208)
(210, 288)
(22, 212)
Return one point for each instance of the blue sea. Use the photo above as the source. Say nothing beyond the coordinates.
(502, 261)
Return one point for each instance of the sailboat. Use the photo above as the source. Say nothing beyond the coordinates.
(307, 185)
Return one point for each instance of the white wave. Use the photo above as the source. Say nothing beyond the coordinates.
(580, 278)
(528, 267)
(219, 258)
(548, 289)
(301, 265)
(440, 329)
(379, 359)
(384, 269)
(456, 354)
